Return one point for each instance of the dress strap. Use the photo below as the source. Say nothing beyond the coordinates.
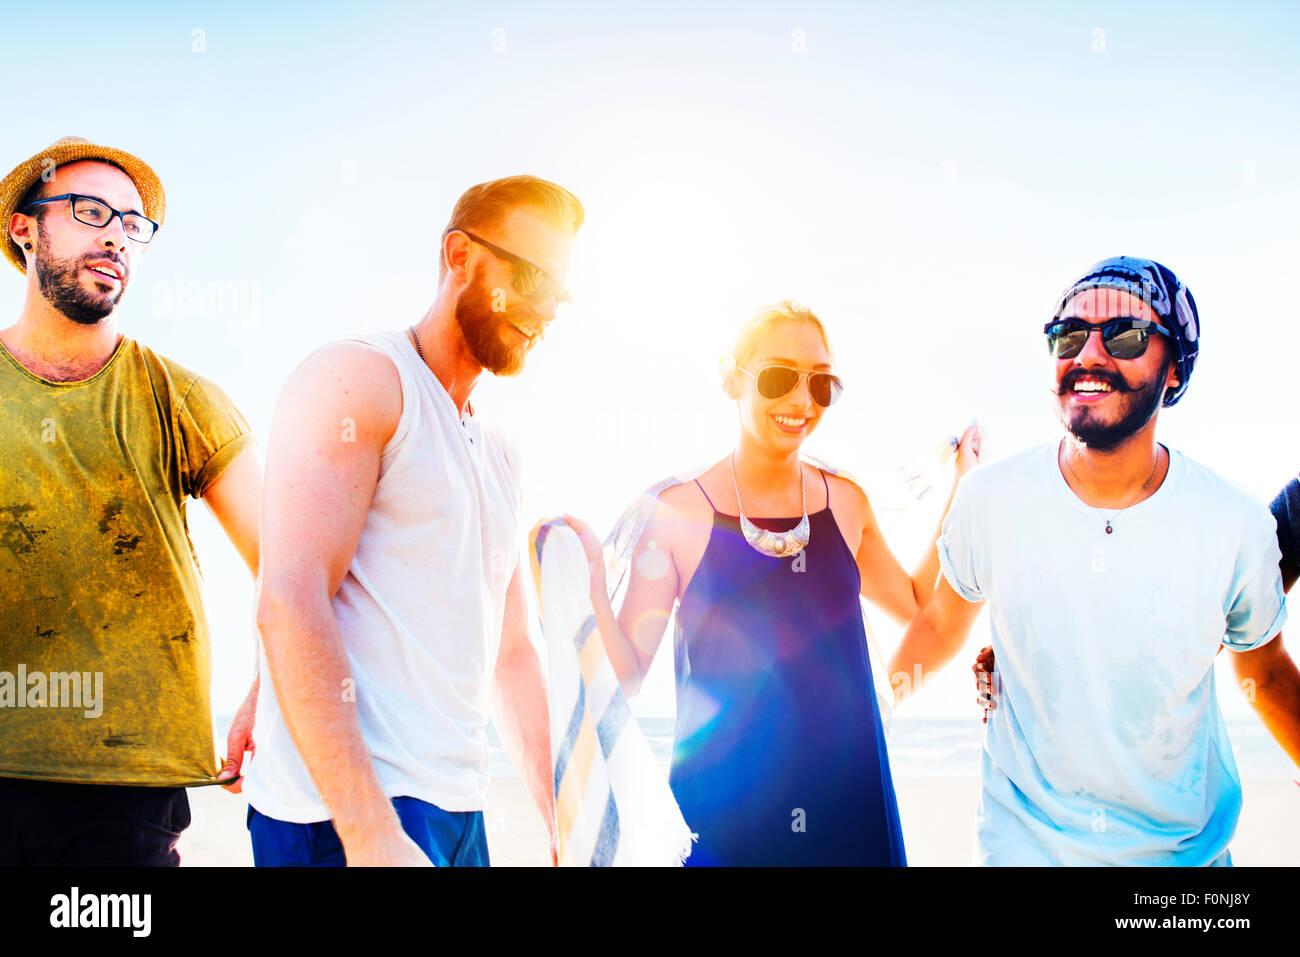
(827, 486)
(706, 496)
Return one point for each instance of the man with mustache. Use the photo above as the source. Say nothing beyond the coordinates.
(1115, 569)
(104, 651)
(392, 612)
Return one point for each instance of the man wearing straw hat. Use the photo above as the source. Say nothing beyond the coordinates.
(1116, 569)
(104, 654)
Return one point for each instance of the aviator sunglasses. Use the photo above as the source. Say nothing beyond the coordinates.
(773, 382)
(1122, 338)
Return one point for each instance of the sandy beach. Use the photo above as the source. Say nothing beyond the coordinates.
(937, 813)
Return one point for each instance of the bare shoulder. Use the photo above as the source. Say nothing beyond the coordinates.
(336, 413)
(355, 366)
(844, 487)
(693, 502)
(678, 510)
(683, 499)
(847, 496)
(346, 383)
(683, 520)
(850, 507)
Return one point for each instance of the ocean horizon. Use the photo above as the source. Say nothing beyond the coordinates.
(925, 747)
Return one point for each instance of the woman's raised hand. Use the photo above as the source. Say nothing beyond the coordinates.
(968, 449)
(595, 551)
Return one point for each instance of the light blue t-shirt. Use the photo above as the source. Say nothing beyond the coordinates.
(1107, 745)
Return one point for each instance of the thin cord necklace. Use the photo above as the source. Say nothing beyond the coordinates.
(774, 544)
(1145, 485)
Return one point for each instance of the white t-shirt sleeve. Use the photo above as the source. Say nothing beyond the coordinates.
(1256, 603)
(957, 545)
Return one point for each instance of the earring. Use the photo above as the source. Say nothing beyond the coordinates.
(27, 245)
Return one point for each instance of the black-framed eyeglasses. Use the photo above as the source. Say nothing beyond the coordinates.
(1123, 337)
(775, 381)
(530, 280)
(97, 213)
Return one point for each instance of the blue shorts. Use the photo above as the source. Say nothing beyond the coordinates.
(449, 838)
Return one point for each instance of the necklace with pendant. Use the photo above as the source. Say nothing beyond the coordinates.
(774, 544)
(1145, 485)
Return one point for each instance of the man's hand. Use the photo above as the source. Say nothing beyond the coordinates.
(388, 848)
(239, 740)
(984, 680)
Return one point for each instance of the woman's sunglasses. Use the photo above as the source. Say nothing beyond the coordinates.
(1123, 338)
(773, 382)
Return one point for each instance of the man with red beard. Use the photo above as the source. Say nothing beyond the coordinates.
(104, 651)
(392, 611)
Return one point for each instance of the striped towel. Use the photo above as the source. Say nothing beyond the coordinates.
(613, 806)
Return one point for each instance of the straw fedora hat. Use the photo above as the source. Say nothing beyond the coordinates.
(71, 149)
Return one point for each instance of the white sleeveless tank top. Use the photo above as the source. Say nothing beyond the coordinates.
(420, 609)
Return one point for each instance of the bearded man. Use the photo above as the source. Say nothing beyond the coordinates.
(1115, 569)
(392, 610)
(103, 442)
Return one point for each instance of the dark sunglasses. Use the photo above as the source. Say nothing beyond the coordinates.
(773, 382)
(1122, 338)
(530, 280)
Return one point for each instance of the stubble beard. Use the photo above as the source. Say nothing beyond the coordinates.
(60, 284)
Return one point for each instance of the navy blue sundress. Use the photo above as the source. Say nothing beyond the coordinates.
(779, 753)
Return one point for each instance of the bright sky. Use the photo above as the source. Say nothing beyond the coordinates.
(926, 178)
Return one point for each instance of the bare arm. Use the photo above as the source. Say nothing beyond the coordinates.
(884, 582)
(632, 638)
(1269, 679)
(934, 636)
(519, 704)
(239, 739)
(235, 499)
(335, 415)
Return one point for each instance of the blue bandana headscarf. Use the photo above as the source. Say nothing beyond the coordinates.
(1159, 288)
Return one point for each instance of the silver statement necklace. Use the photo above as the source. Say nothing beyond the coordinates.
(774, 544)
(1145, 485)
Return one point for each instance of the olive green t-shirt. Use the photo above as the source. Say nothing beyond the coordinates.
(104, 654)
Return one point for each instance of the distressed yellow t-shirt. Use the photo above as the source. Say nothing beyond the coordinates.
(104, 654)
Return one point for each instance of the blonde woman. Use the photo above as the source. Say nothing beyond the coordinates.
(779, 754)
